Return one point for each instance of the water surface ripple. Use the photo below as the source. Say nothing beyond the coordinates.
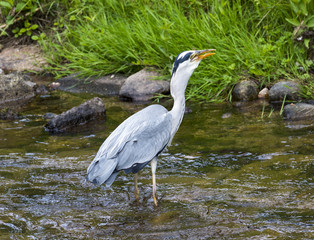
(235, 177)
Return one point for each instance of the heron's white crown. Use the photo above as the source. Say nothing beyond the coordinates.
(190, 60)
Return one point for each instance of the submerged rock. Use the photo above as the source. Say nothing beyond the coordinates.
(250, 107)
(226, 115)
(16, 88)
(141, 87)
(289, 89)
(8, 113)
(105, 86)
(90, 110)
(299, 111)
(245, 91)
(49, 115)
(42, 90)
(22, 58)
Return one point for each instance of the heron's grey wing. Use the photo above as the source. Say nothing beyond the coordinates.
(132, 144)
(146, 143)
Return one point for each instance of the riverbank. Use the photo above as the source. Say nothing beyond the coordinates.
(143, 86)
(265, 42)
(252, 41)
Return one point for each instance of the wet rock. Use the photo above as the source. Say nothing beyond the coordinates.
(299, 111)
(88, 111)
(16, 88)
(251, 107)
(22, 58)
(264, 93)
(49, 115)
(41, 90)
(141, 86)
(226, 115)
(188, 110)
(289, 89)
(54, 85)
(8, 113)
(105, 86)
(245, 91)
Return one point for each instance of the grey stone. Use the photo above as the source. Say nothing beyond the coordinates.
(8, 113)
(105, 86)
(298, 111)
(77, 116)
(141, 86)
(281, 89)
(22, 58)
(264, 93)
(41, 90)
(30, 84)
(245, 91)
(16, 88)
(226, 115)
(49, 115)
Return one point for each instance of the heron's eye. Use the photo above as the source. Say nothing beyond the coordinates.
(192, 56)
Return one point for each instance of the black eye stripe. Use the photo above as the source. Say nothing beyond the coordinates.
(180, 60)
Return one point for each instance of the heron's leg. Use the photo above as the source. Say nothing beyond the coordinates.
(154, 166)
(136, 191)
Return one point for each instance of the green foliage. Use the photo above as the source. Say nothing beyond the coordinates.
(27, 29)
(302, 13)
(27, 17)
(282, 105)
(12, 11)
(302, 17)
(252, 38)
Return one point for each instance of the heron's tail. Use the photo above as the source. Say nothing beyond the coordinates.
(102, 171)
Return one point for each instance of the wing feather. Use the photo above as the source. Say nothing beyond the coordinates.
(135, 141)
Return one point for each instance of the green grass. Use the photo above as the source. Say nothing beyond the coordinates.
(252, 40)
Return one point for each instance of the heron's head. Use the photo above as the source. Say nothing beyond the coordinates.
(188, 61)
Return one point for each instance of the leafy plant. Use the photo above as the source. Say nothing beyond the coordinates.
(271, 112)
(27, 29)
(302, 17)
(282, 105)
(302, 14)
(27, 17)
(12, 12)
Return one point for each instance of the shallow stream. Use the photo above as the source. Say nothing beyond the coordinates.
(232, 173)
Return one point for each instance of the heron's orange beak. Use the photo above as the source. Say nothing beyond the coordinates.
(205, 53)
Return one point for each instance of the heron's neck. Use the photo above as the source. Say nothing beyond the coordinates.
(177, 88)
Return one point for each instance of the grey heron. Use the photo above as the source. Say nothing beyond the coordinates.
(143, 136)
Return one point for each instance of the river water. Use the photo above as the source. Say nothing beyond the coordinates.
(232, 173)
